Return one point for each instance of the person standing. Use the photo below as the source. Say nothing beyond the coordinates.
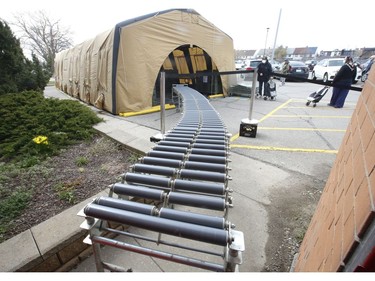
(342, 82)
(285, 69)
(264, 74)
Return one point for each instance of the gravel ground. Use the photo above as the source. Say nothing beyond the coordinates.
(78, 173)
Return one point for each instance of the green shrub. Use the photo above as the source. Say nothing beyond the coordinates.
(13, 205)
(65, 191)
(81, 161)
(32, 128)
(28, 117)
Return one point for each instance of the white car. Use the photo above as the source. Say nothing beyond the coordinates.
(239, 64)
(326, 69)
(276, 66)
(251, 64)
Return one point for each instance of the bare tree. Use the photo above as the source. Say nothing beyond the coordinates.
(43, 35)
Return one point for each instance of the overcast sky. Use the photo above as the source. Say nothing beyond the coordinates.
(326, 24)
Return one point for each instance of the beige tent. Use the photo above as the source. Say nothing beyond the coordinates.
(118, 70)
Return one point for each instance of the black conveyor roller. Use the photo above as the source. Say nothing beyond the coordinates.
(203, 175)
(197, 200)
(151, 169)
(186, 230)
(149, 180)
(161, 162)
(202, 166)
(137, 191)
(198, 186)
(174, 143)
(211, 221)
(166, 154)
(212, 152)
(210, 146)
(207, 158)
(126, 205)
(171, 148)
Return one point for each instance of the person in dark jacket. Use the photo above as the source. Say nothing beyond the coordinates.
(264, 74)
(342, 82)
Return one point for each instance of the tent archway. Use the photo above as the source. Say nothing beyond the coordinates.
(189, 59)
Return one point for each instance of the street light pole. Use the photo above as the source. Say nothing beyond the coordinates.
(265, 44)
(277, 31)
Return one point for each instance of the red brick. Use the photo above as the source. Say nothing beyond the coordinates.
(339, 205)
(338, 160)
(356, 145)
(372, 189)
(349, 241)
(348, 172)
(328, 262)
(316, 258)
(371, 76)
(361, 111)
(371, 105)
(337, 246)
(370, 154)
(359, 172)
(347, 139)
(362, 208)
(329, 188)
(367, 131)
(325, 246)
(348, 203)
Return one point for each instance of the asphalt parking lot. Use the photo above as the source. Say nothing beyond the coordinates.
(290, 129)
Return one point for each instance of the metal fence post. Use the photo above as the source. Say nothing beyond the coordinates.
(160, 136)
(162, 102)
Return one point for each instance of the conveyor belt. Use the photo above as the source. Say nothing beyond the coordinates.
(179, 190)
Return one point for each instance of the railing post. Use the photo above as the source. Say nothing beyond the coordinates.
(160, 136)
(162, 103)
(248, 127)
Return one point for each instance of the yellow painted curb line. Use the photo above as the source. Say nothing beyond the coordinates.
(151, 110)
(216, 96)
(314, 116)
(283, 148)
(302, 129)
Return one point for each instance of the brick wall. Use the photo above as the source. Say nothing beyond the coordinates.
(347, 206)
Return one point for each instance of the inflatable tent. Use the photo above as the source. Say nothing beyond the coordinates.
(118, 70)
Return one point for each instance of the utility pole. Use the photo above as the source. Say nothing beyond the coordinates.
(265, 44)
(277, 31)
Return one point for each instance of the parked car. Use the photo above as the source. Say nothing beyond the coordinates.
(310, 64)
(326, 69)
(365, 69)
(276, 66)
(298, 69)
(251, 64)
(365, 64)
(239, 64)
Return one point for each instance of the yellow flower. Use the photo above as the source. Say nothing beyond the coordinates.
(41, 140)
